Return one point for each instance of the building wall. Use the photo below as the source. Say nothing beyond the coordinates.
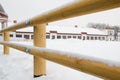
(52, 36)
(55, 35)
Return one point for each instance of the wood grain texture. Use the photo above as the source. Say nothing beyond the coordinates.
(91, 67)
(6, 38)
(39, 41)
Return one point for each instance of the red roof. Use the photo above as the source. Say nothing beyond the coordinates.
(53, 31)
(83, 32)
(2, 15)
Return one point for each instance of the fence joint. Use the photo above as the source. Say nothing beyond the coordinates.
(27, 22)
(27, 50)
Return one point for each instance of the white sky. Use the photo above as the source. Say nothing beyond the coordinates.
(25, 9)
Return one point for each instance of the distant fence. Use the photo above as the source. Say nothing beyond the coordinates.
(78, 8)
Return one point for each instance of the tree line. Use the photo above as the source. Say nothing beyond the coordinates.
(102, 26)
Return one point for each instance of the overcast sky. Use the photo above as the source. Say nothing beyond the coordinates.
(25, 9)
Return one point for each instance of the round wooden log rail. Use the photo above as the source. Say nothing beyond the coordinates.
(91, 67)
(74, 9)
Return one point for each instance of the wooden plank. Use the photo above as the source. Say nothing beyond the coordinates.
(78, 8)
(91, 67)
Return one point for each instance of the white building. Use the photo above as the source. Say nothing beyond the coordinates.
(66, 32)
(3, 19)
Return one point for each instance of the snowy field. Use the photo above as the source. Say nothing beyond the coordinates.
(19, 66)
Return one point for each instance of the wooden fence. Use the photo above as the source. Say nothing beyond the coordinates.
(75, 9)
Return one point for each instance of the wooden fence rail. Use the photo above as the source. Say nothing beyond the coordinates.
(75, 9)
(91, 67)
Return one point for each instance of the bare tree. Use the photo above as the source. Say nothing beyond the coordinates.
(116, 30)
(102, 26)
(98, 25)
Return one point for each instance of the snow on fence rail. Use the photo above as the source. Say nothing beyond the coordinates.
(78, 8)
(81, 63)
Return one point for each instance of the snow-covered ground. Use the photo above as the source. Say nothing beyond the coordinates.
(19, 66)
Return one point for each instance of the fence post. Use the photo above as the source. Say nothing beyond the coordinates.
(6, 38)
(39, 41)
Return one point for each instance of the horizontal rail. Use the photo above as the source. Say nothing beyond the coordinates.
(75, 9)
(91, 67)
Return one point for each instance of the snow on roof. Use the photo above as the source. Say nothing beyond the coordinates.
(72, 29)
(64, 29)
